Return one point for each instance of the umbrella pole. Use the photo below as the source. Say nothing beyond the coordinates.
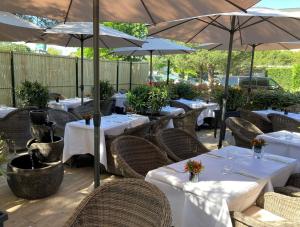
(97, 119)
(224, 100)
(151, 69)
(251, 72)
(81, 86)
(168, 71)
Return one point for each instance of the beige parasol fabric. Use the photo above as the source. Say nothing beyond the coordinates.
(15, 29)
(70, 34)
(145, 11)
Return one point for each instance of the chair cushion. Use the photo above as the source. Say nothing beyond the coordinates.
(262, 214)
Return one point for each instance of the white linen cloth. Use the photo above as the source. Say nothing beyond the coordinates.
(195, 104)
(283, 143)
(79, 137)
(265, 113)
(65, 104)
(120, 99)
(169, 110)
(4, 110)
(208, 202)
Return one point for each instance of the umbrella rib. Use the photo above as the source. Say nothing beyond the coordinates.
(148, 12)
(189, 40)
(216, 25)
(67, 14)
(280, 44)
(246, 21)
(67, 44)
(236, 6)
(240, 32)
(173, 26)
(103, 42)
(277, 26)
(218, 22)
(215, 47)
(129, 41)
(257, 22)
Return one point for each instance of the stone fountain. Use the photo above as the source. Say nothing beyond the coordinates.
(39, 172)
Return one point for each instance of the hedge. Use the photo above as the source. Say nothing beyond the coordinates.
(283, 76)
(296, 77)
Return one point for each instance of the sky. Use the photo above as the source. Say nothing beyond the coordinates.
(279, 4)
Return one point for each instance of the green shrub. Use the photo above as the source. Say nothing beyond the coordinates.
(33, 94)
(106, 90)
(296, 77)
(283, 76)
(182, 90)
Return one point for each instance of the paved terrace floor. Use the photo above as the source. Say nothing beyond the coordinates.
(56, 209)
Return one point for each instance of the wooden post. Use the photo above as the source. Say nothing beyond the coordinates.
(130, 76)
(13, 86)
(76, 76)
(117, 82)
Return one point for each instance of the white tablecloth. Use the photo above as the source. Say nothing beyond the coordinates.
(264, 113)
(65, 104)
(174, 111)
(195, 104)
(6, 110)
(79, 138)
(120, 99)
(208, 202)
(283, 143)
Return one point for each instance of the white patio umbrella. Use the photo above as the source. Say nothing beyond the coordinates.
(154, 46)
(143, 11)
(258, 25)
(80, 34)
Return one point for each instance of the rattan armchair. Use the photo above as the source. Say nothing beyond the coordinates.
(179, 144)
(136, 156)
(61, 118)
(264, 124)
(188, 121)
(177, 104)
(243, 131)
(282, 122)
(126, 203)
(292, 187)
(294, 108)
(16, 127)
(86, 108)
(277, 209)
(143, 131)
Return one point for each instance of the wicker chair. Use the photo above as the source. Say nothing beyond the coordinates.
(179, 144)
(126, 203)
(160, 124)
(292, 187)
(264, 124)
(279, 210)
(177, 104)
(16, 127)
(136, 156)
(61, 118)
(107, 106)
(188, 121)
(282, 122)
(86, 108)
(143, 131)
(243, 131)
(294, 108)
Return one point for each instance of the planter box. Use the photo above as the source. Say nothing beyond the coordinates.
(3, 218)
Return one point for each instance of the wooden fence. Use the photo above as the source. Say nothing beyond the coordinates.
(62, 74)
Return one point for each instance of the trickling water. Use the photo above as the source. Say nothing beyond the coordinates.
(31, 158)
(51, 132)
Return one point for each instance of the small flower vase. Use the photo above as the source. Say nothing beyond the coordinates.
(194, 177)
(57, 99)
(87, 121)
(257, 152)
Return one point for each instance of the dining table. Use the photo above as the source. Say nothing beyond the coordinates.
(232, 180)
(264, 113)
(79, 137)
(209, 110)
(284, 143)
(66, 104)
(4, 110)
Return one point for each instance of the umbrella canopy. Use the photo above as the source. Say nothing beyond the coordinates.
(154, 46)
(145, 11)
(80, 34)
(15, 29)
(72, 34)
(258, 25)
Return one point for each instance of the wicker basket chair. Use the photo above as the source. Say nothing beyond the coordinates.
(126, 203)
(86, 108)
(264, 124)
(188, 121)
(16, 127)
(177, 104)
(143, 131)
(294, 108)
(179, 144)
(61, 118)
(282, 122)
(136, 156)
(292, 187)
(243, 131)
(278, 210)
(160, 124)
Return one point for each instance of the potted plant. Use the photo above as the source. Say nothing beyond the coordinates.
(194, 168)
(34, 94)
(182, 90)
(257, 145)
(106, 101)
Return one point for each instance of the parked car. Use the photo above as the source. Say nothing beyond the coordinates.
(257, 82)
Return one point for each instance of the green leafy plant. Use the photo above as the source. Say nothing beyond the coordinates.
(33, 94)
(4, 151)
(106, 90)
(182, 90)
(158, 97)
